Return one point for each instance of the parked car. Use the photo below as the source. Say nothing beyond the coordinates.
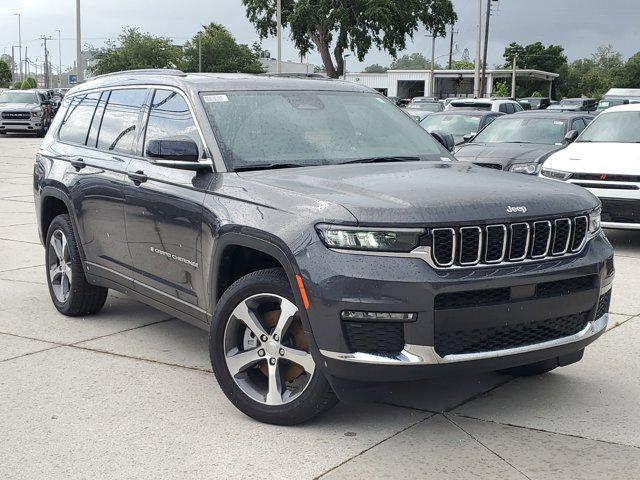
(520, 142)
(537, 103)
(462, 124)
(502, 105)
(605, 159)
(325, 240)
(416, 100)
(24, 111)
(421, 110)
(575, 105)
(525, 105)
(610, 102)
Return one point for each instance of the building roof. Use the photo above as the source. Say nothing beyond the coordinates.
(541, 74)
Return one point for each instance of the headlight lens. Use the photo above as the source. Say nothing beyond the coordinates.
(594, 220)
(371, 239)
(556, 174)
(528, 168)
(36, 113)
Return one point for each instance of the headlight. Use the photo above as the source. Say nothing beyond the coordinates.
(36, 113)
(594, 220)
(372, 239)
(528, 168)
(556, 174)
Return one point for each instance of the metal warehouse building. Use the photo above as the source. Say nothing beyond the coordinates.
(447, 83)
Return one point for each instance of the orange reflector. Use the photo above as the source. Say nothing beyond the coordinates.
(303, 292)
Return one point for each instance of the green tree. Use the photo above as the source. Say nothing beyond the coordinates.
(334, 26)
(5, 74)
(536, 94)
(464, 63)
(630, 75)
(415, 61)
(375, 68)
(535, 56)
(28, 83)
(221, 53)
(502, 90)
(135, 50)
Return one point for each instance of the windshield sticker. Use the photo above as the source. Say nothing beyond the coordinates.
(445, 159)
(558, 123)
(215, 98)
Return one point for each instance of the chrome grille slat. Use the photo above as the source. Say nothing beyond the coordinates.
(469, 245)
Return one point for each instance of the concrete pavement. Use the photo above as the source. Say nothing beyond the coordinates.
(129, 393)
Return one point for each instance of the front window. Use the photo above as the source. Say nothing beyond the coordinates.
(523, 129)
(571, 103)
(474, 105)
(18, 97)
(456, 125)
(427, 107)
(615, 127)
(306, 128)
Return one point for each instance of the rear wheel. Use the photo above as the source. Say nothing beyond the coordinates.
(260, 352)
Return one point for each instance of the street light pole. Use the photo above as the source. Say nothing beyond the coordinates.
(279, 35)
(476, 80)
(20, 43)
(59, 60)
(344, 65)
(79, 71)
(432, 82)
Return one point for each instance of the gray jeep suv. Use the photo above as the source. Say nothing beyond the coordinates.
(325, 240)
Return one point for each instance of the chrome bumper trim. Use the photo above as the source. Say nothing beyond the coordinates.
(426, 355)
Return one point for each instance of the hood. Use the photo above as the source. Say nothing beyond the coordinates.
(505, 154)
(18, 106)
(610, 158)
(422, 193)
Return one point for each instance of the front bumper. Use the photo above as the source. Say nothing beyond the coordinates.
(20, 126)
(389, 284)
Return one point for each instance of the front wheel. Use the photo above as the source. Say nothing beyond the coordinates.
(260, 352)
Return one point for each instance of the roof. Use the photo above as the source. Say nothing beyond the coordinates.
(469, 112)
(631, 107)
(557, 114)
(219, 81)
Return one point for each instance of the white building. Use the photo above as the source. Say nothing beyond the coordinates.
(447, 83)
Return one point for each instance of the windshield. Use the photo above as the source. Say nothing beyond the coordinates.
(456, 125)
(523, 129)
(534, 102)
(617, 127)
(604, 104)
(570, 102)
(18, 97)
(427, 107)
(304, 128)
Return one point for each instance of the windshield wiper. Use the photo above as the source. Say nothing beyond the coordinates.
(269, 166)
(384, 159)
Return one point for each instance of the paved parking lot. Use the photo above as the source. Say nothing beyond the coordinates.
(129, 393)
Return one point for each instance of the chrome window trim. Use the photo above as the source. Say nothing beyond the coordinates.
(555, 231)
(427, 355)
(526, 245)
(479, 253)
(546, 251)
(453, 249)
(504, 243)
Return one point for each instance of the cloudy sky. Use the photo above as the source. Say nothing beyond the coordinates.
(579, 25)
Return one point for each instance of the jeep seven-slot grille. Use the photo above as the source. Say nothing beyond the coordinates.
(515, 242)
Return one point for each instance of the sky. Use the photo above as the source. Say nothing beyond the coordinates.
(578, 25)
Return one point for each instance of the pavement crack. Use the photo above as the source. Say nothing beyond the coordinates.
(31, 353)
(373, 446)
(21, 268)
(480, 394)
(474, 438)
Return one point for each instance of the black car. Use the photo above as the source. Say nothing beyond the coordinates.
(575, 105)
(522, 141)
(536, 103)
(326, 241)
(462, 124)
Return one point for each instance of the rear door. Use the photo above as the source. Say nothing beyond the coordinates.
(164, 211)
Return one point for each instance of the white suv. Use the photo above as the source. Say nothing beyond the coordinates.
(605, 159)
(488, 104)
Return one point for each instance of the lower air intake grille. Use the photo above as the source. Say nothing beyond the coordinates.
(500, 338)
(603, 304)
(374, 337)
(622, 211)
(493, 166)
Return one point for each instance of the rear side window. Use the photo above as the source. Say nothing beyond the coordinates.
(120, 120)
(92, 139)
(76, 123)
(170, 116)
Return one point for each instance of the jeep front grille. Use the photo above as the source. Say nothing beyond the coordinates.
(515, 242)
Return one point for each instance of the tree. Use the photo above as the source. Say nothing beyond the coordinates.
(630, 75)
(375, 68)
(28, 83)
(535, 56)
(5, 74)
(136, 50)
(502, 90)
(221, 53)
(415, 61)
(334, 26)
(464, 63)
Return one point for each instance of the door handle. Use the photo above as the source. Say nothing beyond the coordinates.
(78, 164)
(137, 177)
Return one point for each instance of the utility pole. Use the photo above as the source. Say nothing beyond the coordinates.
(453, 32)
(513, 77)
(476, 79)
(59, 60)
(46, 61)
(20, 43)
(14, 65)
(483, 81)
(432, 81)
(79, 71)
(279, 35)
(200, 52)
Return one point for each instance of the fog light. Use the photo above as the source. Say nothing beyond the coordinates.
(352, 315)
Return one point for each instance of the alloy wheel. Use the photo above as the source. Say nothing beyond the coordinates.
(60, 274)
(266, 350)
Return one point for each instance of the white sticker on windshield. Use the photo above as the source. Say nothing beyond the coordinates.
(215, 98)
(381, 100)
(558, 123)
(445, 159)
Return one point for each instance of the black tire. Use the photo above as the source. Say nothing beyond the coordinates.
(531, 369)
(83, 298)
(316, 398)
(41, 133)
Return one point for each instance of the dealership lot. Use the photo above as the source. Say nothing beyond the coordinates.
(129, 392)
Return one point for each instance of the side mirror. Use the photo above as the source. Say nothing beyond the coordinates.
(571, 136)
(445, 139)
(181, 153)
(468, 137)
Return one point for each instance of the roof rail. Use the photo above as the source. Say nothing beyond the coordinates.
(146, 71)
